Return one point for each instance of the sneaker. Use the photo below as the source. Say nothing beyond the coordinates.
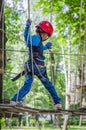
(58, 106)
(16, 103)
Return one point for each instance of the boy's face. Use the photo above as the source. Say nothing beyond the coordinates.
(44, 36)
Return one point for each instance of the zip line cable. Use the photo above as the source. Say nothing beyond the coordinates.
(55, 53)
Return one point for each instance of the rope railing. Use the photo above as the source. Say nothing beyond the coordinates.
(55, 53)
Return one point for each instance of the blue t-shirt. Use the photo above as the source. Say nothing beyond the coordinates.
(37, 46)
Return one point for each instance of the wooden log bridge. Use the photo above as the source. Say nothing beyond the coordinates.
(6, 110)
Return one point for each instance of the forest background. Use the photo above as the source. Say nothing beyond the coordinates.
(68, 19)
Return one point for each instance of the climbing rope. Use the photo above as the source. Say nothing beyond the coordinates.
(31, 48)
(30, 40)
(51, 53)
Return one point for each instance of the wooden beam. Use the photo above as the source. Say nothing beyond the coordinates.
(7, 109)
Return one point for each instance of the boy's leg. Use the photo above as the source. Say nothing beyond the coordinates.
(24, 90)
(51, 89)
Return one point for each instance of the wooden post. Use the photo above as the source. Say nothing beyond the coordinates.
(68, 88)
(1, 33)
(2, 51)
(1, 76)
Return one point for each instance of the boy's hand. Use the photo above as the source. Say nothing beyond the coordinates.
(28, 23)
(49, 45)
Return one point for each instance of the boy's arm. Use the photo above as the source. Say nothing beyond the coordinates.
(27, 32)
(34, 40)
(26, 35)
(47, 46)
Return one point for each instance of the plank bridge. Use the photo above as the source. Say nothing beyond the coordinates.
(7, 109)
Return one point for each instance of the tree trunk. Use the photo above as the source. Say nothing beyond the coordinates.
(68, 87)
(2, 51)
(52, 67)
(2, 47)
(80, 120)
(85, 32)
(1, 76)
(27, 124)
(1, 34)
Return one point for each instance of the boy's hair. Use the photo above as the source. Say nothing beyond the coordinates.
(39, 31)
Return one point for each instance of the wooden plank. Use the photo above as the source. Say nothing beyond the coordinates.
(8, 108)
(26, 109)
(16, 108)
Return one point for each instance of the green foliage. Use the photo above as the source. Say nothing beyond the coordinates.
(2, 121)
(69, 16)
(13, 27)
(74, 120)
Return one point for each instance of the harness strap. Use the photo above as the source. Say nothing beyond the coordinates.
(27, 71)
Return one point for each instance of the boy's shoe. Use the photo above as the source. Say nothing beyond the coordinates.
(58, 106)
(16, 103)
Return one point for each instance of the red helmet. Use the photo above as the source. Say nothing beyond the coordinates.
(46, 27)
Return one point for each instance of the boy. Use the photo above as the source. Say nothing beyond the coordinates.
(35, 64)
